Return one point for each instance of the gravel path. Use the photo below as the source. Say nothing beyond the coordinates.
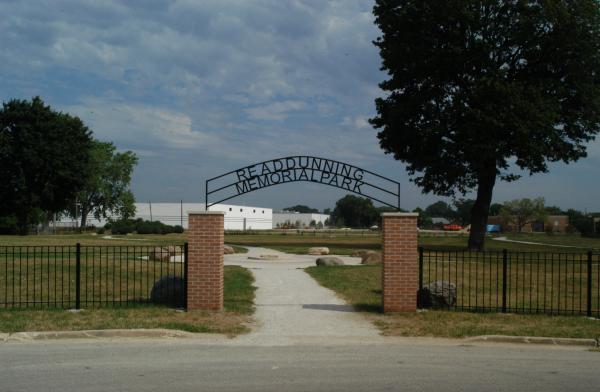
(291, 307)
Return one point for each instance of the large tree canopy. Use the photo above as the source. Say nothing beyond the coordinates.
(354, 211)
(107, 189)
(44, 160)
(479, 88)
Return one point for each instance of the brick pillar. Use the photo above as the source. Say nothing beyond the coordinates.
(205, 260)
(400, 262)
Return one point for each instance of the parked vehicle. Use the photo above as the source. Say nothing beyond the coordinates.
(452, 227)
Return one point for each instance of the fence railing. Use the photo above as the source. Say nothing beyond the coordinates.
(81, 276)
(507, 281)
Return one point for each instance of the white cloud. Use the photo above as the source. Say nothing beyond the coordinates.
(140, 124)
(358, 122)
(277, 111)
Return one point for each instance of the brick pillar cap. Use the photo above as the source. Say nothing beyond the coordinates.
(399, 214)
(206, 213)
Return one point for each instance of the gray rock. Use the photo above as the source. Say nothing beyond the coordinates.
(318, 251)
(329, 261)
(159, 254)
(368, 256)
(438, 294)
(168, 290)
(174, 250)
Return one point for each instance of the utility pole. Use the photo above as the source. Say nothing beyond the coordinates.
(150, 210)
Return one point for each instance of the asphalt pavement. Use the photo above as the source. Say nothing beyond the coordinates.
(198, 365)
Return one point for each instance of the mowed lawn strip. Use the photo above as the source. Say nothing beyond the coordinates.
(347, 244)
(343, 243)
(361, 287)
(238, 300)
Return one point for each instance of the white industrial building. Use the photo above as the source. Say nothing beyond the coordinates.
(297, 219)
(236, 217)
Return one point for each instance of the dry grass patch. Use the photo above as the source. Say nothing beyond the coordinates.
(449, 324)
(230, 323)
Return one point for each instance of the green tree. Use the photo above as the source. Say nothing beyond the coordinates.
(302, 209)
(463, 208)
(554, 210)
(581, 222)
(106, 191)
(354, 211)
(424, 221)
(495, 209)
(44, 156)
(440, 209)
(476, 88)
(521, 212)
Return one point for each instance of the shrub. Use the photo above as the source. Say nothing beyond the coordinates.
(147, 227)
(8, 225)
(124, 226)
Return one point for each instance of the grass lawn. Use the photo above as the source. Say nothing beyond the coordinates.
(361, 287)
(238, 300)
(299, 244)
(347, 244)
(340, 242)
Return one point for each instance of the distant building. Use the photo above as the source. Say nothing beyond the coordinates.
(236, 217)
(559, 224)
(294, 219)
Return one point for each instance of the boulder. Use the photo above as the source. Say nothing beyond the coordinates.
(168, 290)
(329, 261)
(174, 250)
(159, 254)
(368, 256)
(438, 294)
(228, 250)
(318, 251)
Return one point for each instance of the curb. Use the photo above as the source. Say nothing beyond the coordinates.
(91, 334)
(535, 340)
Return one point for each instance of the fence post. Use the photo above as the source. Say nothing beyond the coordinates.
(589, 283)
(420, 297)
(185, 275)
(504, 273)
(78, 276)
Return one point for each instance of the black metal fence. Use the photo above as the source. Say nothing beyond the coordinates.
(92, 276)
(506, 281)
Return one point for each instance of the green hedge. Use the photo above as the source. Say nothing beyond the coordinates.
(140, 226)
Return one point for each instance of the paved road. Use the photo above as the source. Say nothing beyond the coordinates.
(195, 365)
(292, 308)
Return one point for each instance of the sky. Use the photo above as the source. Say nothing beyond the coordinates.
(197, 88)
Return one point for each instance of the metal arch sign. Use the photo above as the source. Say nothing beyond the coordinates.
(303, 168)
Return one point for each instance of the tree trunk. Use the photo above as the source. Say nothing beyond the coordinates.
(22, 223)
(84, 213)
(481, 209)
